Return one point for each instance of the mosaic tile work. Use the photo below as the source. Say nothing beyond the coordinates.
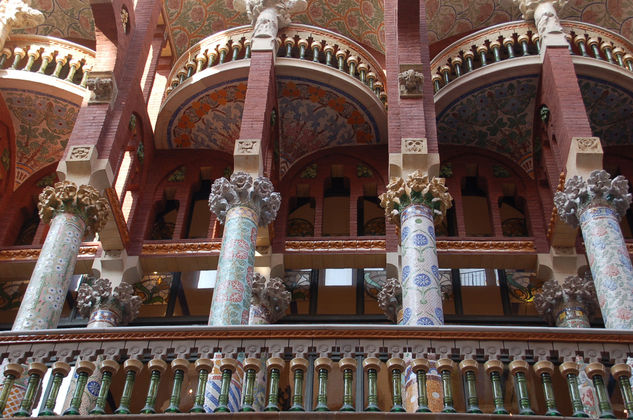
(258, 315)
(572, 317)
(421, 293)
(212, 394)
(42, 125)
(610, 265)
(496, 117)
(44, 298)
(232, 295)
(316, 116)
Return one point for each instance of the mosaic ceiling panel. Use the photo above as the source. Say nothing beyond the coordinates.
(42, 126)
(193, 20)
(209, 120)
(315, 116)
(69, 19)
(496, 117)
(610, 111)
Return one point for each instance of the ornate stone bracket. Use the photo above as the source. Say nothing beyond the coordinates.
(574, 290)
(102, 87)
(598, 190)
(411, 80)
(417, 189)
(268, 16)
(242, 190)
(390, 298)
(84, 201)
(97, 294)
(272, 295)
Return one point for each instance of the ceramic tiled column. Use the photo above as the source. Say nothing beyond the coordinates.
(71, 212)
(415, 204)
(567, 305)
(270, 299)
(242, 204)
(597, 205)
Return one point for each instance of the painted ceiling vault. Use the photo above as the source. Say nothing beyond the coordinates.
(610, 111)
(496, 117)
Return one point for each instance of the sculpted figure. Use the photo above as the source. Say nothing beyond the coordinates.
(546, 19)
(268, 16)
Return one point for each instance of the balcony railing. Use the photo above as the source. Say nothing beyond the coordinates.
(519, 39)
(452, 369)
(49, 56)
(301, 42)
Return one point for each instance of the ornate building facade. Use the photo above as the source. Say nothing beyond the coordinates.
(316, 205)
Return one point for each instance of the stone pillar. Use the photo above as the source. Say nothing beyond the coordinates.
(415, 205)
(105, 307)
(568, 305)
(72, 212)
(598, 205)
(270, 300)
(17, 14)
(545, 15)
(242, 204)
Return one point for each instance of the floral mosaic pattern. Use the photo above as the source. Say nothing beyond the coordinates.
(610, 110)
(315, 117)
(610, 265)
(193, 20)
(421, 292)
(69, 19)
(232, 295)
(42, 126)
(46, 293)
(210, 120)
(496, 117)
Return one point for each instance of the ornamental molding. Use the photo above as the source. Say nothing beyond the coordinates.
(102, 87)
(242, 190)
(486, 246)
(97, 294)
(390, 298)
(268, 16)
(31, 254)
(181, 248)
(412, 145)
(598, 190)
(83, 201)
(416, 189)
(272, 295)
(588, 144)
(117, 213)
(247, 146)
(336, 246)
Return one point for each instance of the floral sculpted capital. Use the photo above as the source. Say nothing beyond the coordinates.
(272, 294)
(268, 16)
(95, 294)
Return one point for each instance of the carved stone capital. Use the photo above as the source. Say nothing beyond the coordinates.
(411, 80)
(19, 14)
(528, 7)
(417, 189)
(272, 295)
(102, 87)
(84, 201)
(97, 294)
(390, 298)
(268, 16)
(598, 190)
(242, 190)
(578, 290)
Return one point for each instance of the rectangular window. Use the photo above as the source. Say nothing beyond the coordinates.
(206, 279)
(338, 277)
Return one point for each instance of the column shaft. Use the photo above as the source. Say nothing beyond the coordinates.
(610, 265)
(44, 298)
(232, 294)
(421, 294)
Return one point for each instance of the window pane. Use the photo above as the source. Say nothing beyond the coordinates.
(338, 277)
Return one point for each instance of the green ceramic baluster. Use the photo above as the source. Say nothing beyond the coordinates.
(372, 367)
(494, 368)
(622, 373)
(84, 370)
(570, 371)
(157, 367)
(108, 368)
(323, 366)
(180, 368)
(469, 369)
(519, 369)
(545, 369)
(303, 45)
(11, 372)
(131, 367)
(224, 50)
(347, 366)
(298, 366)
(445, 367)
(227, 367)
(36, 373)
(329, 54)
(251, 367)
(60, 371)
(420, 368)
(395, 366)
(596, 372)
(274, 366)
(203, 367)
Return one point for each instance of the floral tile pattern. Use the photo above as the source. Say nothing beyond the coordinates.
(610, 110)
(193, 20)
(42, 126)
(315, 116)
(209, 120)
(496, 117)
(69, 19)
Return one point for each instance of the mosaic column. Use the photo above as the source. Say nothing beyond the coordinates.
(415, 205)
(597, 205)
(242, 204)
(270, 300)
(71, 212)
(568, 305)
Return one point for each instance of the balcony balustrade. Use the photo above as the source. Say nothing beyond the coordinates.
(49, 56)
(300, 42)
(452, 369)
(520, 39)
